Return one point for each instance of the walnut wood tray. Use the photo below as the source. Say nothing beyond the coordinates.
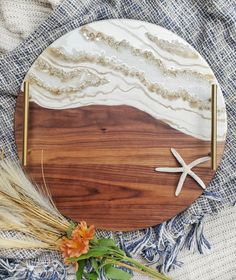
(105, 110)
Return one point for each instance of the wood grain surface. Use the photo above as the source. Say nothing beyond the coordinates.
(99, 164)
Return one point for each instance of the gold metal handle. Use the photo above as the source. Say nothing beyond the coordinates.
(26, 123)
(214, 126)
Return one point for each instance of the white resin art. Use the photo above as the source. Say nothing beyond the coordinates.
(134, 63)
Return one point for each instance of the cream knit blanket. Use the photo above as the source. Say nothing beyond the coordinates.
(18, 18)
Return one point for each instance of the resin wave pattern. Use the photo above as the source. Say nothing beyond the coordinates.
(127, 62)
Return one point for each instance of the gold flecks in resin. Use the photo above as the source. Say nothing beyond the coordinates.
(65, 76)
(43, 65)
(111, 63)
(93, 35)
(173, 47)
(92, 82)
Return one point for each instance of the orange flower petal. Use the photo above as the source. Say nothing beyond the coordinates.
(83, 231)
(74, 248)
(78, 244)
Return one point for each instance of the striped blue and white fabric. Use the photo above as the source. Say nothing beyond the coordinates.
(209, 26)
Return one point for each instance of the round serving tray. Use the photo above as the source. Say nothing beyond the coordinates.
(113, 106)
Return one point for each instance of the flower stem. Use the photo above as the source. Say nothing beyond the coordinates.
(146, 269)
(121, 264)
(138, 267)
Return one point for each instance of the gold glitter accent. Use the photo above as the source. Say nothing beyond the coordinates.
(111, 63)
(173, 47)
(93, 35)
(94, 81)
(44, 66)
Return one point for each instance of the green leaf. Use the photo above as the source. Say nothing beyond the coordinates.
(95, 240)
(107, 242)
(80, 271)
(93, 276)
(95, 265)
(116, 274)
(70, 229)
(96, 252)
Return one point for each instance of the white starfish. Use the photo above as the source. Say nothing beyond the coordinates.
(185, 170)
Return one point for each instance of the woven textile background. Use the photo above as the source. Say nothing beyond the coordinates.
(210, 26)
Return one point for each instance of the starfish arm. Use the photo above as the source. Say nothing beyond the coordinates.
(198, 161)
(169, 169)
(197, 179)
(178, 157)
(180, 183)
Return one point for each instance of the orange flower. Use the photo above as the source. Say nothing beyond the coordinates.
(83, 231)
(78, 244)
(65, 247)
(74, 248)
